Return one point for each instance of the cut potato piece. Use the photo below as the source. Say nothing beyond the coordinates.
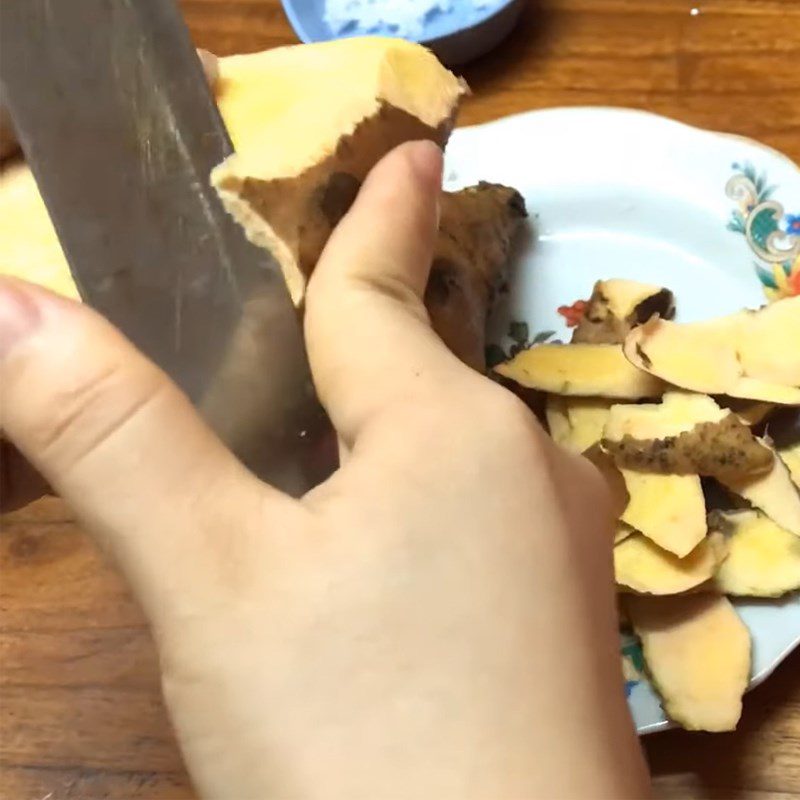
(774, 493)
(577, 423)
(643, 567)
(308, 123)
(616, 306)
(738, 355)
(697, 652)
(763, 558)
(583, 370)
(668, 509)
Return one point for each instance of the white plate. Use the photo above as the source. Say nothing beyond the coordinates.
(619, 193)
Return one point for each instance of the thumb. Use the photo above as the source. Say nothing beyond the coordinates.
(117, 440)
(369, 338)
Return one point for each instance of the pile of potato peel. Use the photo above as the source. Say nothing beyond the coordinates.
(700, 423)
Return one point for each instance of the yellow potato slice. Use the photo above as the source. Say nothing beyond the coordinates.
(739, 355)
(774, 493)
(769, 344)
(763, 558)
(697, 651)
(643, 567)
(583, 370)
(678, 413)
(668, 509)
(577, 423)
(29, 246)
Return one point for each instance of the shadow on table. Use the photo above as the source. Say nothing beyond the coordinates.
(733, 765)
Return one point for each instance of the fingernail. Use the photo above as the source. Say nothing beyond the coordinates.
(426, 158)
(19, 314)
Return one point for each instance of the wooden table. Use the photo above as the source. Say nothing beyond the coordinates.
(80, 710)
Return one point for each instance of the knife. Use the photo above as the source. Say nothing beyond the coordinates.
(117, 122)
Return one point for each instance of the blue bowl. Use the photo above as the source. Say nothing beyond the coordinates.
(454, 39)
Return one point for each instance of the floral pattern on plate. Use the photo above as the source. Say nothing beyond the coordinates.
(773, 235)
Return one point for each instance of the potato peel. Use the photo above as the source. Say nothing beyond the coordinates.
(742, 355)
(582, 370)
(668, 509)
(763, 558)
(774, 493)
(617, 306)
(698, 654)
(643, 567)
(577, 423)
(717, 449)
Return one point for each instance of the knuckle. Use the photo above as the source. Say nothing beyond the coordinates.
(79, 416)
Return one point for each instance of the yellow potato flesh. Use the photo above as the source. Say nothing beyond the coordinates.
(769, 350)
(623, 296)
(29, 247)
(677, 413)
(697, 651)
(584, 370)
(763, 559)
(577, 423)
(668, 509)
(288, 106)
(743, 355)
(774, 493)
(644, 567)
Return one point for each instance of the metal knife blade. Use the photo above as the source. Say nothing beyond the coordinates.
(117, 122)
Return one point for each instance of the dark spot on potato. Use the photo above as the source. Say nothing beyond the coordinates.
(662, 303)
(338, 195)
(442, 281)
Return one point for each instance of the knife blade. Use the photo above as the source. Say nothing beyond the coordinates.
(117, 122)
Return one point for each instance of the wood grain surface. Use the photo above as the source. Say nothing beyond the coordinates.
(80, 710)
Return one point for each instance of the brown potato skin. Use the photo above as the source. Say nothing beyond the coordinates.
(715, 449)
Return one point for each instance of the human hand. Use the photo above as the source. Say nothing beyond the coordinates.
(436, 620)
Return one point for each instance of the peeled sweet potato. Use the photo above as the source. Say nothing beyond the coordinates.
(763, 558)
(697, 652)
